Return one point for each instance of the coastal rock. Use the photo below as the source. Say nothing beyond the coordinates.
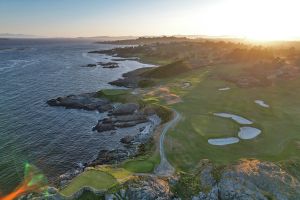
(144, 188)
(90, 65)
(247, 180)
(266, 176)
(124, 59)
(85, 101)
(131, 79)
(213, 194)
(134, 144)
(111, 157)
(148, 188)
(206, 177)
(125, 109)
(239, 189)
(101, 127)
(109, 65)
(127, 139)
(121, 121)
(128, 124)
(132, 117)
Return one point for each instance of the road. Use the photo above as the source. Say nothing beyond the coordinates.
(165, 168)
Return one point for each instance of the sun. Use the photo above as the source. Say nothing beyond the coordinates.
(259, 20)
(270, 20)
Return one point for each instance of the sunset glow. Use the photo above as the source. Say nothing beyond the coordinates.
(254, 20)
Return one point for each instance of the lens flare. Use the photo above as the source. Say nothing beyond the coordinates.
(34, 181)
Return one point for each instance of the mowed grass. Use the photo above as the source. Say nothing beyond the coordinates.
(98, 180)
(187, 144)
(142, 164)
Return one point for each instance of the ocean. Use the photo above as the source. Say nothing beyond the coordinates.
(53, 139)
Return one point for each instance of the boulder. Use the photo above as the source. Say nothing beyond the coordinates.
(238, 189)
(90, 65)
(266, 176)
(101, 127)
(110, 157)
(125, 109)
(85, 101)
(109, 65)
(148, 188)
(128, 124)
(128, 118)
(127, 139)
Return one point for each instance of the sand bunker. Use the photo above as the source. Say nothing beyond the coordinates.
(262, 103)
(186, 85)
(224, 89)
(236, 118)
(247, 133)
(223, 141)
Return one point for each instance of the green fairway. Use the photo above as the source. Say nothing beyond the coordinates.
(144, 164)
(187, 144)
(95, 179)
(139, 166)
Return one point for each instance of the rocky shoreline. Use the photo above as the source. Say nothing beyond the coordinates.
(245, 180)
(108, 65)
(119, 118)
(87, 101)
(131, 79)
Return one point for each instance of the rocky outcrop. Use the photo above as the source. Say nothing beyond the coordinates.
(239, 189)
(86, 101)
(133, 145)
(123, 116)
(102, 127)
(148, 188)
(144, 188)
(124, 59)
(90, 65)
(52, 194)
(131, 79)
(109, 65)
(125, 109)
(261, 176)
(248, 180)
(111, 157)
(127, 139)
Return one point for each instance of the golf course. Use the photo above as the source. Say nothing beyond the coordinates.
(223, 110)
(187, 144)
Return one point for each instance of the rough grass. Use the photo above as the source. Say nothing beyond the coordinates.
(96, 179)
(112, 92)
(139, 166)
(119, 173)
(145, 163)
(164, 112)
(169, 70)
(117, 95)
(146, 83)
(187, 143)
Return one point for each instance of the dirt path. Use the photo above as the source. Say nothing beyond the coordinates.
(165, 168)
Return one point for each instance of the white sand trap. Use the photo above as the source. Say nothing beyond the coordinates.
(223, 141)
(238, 119)
(247, 133)
(262, 103)
(224, 89)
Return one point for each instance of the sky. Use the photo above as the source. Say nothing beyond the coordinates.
(254, 19)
